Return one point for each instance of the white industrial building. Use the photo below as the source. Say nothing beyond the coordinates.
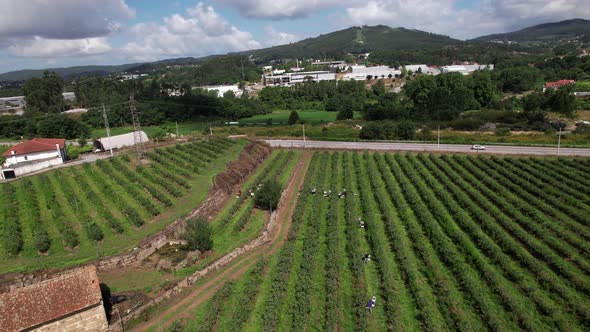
(222, 89)
(465, 69)
(361, 72)
(33, 155)
(300, 77)
(424, 69)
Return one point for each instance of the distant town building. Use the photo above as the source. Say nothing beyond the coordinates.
(222, 89)
(465, 69)
(69, 96)
(15, 105)
(33, 155)
(331, 64)
(76, 111)
(278, 71)
(71, 301)
(126, 77)
(362, 72)
(300, 77)
(557, 84)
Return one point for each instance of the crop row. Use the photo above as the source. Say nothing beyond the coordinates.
(40, 212)
(280, 275)
(456, 243)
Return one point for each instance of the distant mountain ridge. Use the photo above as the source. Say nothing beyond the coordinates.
(547, 31)
(355, 40)
(335, 45)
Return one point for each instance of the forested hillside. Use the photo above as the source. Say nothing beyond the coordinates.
(547, 31)
(355, 40)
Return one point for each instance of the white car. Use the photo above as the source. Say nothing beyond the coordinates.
(478, 147)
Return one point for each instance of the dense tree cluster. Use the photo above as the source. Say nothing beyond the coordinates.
(323, 95)
(198, 234)
(44, 94)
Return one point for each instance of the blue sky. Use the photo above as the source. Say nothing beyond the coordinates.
(61, 33)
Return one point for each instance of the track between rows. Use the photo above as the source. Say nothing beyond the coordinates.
(184, 307)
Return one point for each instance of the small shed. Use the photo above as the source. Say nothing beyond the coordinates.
(118, 141)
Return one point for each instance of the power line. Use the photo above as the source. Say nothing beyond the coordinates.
(137, 134)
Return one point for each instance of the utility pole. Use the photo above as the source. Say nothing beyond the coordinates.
(106, 125)
(303, 135)
(137, 134)
(559, 140)
(210, 131)
(438, 137)
(177, 130)
(243, 77)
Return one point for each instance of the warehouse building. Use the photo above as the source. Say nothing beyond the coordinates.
(300, 77)
(362, 72)
(465, 69)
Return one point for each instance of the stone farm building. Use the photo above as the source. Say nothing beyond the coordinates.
(68, 302)
(33, 155)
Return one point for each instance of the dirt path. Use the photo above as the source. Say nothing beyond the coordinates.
(278, 234)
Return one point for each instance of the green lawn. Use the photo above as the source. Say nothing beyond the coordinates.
(184, 128)
(282, 116)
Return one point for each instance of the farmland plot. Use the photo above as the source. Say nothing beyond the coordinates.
(456, 243)
(78, 213)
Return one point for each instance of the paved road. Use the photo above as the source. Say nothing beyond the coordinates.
(490, 149)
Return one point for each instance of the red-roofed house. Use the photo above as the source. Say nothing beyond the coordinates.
(33, 155)
(68, 302)
(557, 84)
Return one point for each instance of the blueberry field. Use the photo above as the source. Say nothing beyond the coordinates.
(75, 214)
(455, 243)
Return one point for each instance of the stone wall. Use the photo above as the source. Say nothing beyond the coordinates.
(93, 319)
(223, 186)
(215, 200)
(263, 237)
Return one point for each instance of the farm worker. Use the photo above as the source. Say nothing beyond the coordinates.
(361, 223)
(367, 258)
(371, 304)
(342, 193)
(313, 190)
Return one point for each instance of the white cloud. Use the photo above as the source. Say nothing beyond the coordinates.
(202, 31)
(280, 9)
(57, 28)
(41, 47)
(274, 37)
(492, 16)
(61, 19)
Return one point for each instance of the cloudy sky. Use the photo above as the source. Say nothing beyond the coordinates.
(59, 33)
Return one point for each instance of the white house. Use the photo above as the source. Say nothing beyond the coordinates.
(33, 155)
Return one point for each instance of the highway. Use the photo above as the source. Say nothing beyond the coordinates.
(382, 146)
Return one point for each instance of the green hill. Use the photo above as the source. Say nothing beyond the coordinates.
(544, 32)
(355, 40)
(67, 72)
